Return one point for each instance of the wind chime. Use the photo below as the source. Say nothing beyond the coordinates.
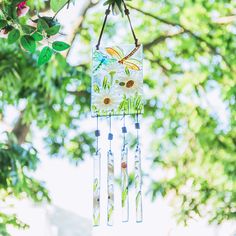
(117, 90)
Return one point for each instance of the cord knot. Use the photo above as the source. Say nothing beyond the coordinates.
(126, 11)
(107, 12)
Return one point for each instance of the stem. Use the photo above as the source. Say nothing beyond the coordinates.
(67, 3)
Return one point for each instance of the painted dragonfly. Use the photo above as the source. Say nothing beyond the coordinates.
(119, 55)
(102, 59)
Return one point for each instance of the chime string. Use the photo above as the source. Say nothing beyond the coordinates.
(130, 24)
(97, 138)
(107, 12)
(110, 130)
(127, 13)
(124, 136)
(137, 129)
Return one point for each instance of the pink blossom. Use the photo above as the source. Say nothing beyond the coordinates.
(21, 5)
(4, 33)
(22, 9)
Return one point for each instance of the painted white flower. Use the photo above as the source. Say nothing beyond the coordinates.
(111, 69)
(114, 67)
(130, 84)
(107, 100)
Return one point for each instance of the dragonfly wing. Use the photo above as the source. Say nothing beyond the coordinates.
(108, 61)
(115, 52)
(132, 64)
(98, 56)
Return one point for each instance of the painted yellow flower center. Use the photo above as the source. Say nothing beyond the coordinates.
(124, 165)
(107, 101)
(130, 84)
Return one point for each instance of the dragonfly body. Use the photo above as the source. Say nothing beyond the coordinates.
(129, 62)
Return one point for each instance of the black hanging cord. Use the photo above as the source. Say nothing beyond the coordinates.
(107, 12)
(131, 27)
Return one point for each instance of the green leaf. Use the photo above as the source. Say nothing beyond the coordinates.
(3, 23)
(13, 36)
(15, 2)
(96, 88)
(105, 82)
(42, 25)
(50, 21)
(110, 212)
(127, 71)
(138, 197)
(95, 184)
(28, 29)
(45, 55)
(138, 102)
(57, 4)
(53, 30)
(108, 2)
(96, 219)
(60, 46)
(124, 196)
(37, 36)
(28, 43)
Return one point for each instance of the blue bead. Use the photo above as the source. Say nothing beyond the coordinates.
(97, 133)
(137, 125)
(124, 130)
(110, 136)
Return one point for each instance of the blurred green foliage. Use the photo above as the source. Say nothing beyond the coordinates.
(17, 164)
(19, 23)
(190, 75)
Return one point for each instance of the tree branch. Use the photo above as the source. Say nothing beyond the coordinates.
(165, 70)
(67, 3)
(160, 39)
(82, 93)
(78, 25)
(211, 47)
(21, 130)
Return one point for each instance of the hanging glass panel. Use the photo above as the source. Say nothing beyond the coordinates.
(117, 81)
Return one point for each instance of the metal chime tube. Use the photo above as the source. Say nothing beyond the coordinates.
(138, 177)
(110, 181)
(96, 182)
(124, 177)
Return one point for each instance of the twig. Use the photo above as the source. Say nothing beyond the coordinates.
(164, 68)
(160, 39)
(158, 61)
(212, 48)
(67, 3)
(78, 25)
(82, 93)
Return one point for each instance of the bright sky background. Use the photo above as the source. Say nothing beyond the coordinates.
(70, 186)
